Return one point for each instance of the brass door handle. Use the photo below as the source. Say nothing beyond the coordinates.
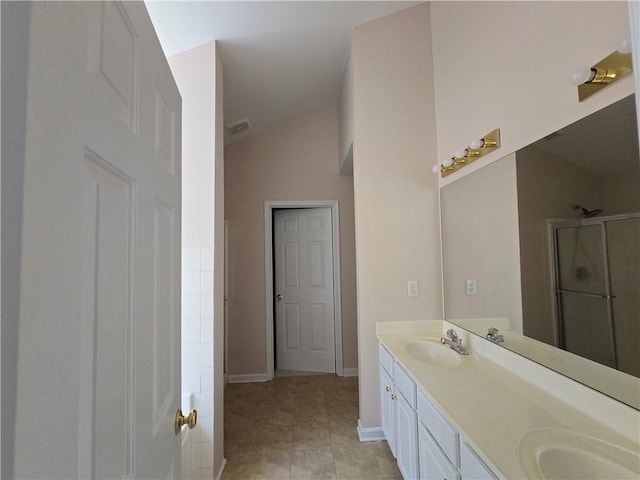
(279, 296)
(190, 420)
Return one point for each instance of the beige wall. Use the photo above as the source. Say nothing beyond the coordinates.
(481, 242)
(194, 71)
(297, 160)
(507, 65)
(396, 195)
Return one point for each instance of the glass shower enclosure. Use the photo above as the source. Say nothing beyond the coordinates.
(596, 286)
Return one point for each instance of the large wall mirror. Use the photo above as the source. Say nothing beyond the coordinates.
(544, 243)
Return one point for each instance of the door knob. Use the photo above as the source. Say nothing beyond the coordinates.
(189, 420)
(279, 296)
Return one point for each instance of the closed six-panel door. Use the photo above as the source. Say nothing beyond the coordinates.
(303, 286)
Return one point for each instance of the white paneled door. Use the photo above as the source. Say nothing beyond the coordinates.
(303, 286)
(98, 378)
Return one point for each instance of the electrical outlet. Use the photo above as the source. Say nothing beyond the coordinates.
(470, 287)
(412, 288)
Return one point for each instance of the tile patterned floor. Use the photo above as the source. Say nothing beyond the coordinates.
(300, 428)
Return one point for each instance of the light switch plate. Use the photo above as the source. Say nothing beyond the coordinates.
(412, 288)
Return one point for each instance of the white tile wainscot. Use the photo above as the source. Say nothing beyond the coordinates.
(494, 399)
(197, 352)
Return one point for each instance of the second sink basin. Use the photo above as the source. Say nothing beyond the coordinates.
(430, 350)
(563, 454)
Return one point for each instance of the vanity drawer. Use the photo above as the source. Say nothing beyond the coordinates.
(433, 462)
(405, 385)
(440, 428)
(472, 465)
(386, 360)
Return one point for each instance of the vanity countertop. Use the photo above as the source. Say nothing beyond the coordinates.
(492, 407)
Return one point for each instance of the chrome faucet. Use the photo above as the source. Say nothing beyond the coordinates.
(494, 336)
(454, 342)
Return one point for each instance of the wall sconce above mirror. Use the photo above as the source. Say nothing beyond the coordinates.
(610, 69)
(476, 149)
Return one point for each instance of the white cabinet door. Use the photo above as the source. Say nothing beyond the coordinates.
(433, 464)
(472, 467)
(386, 390)
(406, 438)
(439, 427)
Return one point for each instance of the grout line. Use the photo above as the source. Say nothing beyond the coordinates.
(333, 456)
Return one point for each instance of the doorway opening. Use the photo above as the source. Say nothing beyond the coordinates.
(270, 207)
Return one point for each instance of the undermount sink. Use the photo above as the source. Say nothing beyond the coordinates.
(563, 454)
(431, 351)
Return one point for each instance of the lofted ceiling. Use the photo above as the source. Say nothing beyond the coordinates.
(281, 59)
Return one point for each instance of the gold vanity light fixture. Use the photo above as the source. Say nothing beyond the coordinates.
(610, 69)
(464, 156)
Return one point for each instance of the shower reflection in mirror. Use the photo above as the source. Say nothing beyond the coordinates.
(595, 269)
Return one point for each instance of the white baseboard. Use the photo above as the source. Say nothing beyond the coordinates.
(370, 434)
(248, 378)
(218, 474)
(262, 377)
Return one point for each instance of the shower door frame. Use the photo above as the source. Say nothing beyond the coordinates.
(552, 227)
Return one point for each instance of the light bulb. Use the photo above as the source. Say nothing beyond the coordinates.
(625, 45)
(448, 162)
(582, 75)
(477, 144)
(460, 153)
(436, 169)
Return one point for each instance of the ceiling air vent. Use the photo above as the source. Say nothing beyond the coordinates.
(238, 127)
